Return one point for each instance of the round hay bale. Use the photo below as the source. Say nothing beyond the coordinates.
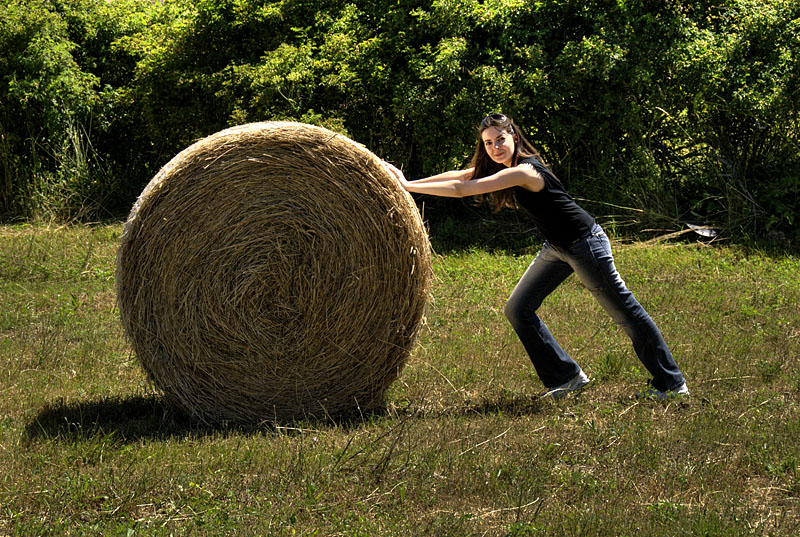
(271, 272)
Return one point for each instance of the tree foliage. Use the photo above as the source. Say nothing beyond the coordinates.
(685, 110)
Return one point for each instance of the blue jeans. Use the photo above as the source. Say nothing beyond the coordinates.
(590, 258)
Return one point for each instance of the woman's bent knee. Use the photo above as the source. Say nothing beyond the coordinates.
(517, 312)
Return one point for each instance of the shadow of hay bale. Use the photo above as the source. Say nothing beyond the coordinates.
(125, 418)
(271, 272)
(130, 419)
(133, 418)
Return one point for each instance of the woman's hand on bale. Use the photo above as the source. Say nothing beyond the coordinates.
(397, 174)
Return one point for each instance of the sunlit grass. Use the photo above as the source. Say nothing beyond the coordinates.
(464, 447)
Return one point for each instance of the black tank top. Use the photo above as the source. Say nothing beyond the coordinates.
(560, 219)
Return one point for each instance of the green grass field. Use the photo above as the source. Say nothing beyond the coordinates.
(464, 447)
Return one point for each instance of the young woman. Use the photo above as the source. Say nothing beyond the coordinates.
(508, 169)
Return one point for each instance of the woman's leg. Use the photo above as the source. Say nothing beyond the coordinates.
(552, 363)
(594, 266)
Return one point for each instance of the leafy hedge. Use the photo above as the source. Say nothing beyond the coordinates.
(681, 110)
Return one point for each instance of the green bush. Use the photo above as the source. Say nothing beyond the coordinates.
(681, 110)
(44, 95)
(58, 100)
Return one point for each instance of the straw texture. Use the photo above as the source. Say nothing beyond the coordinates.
(271, 272)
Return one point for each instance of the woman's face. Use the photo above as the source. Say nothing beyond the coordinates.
(499, 145)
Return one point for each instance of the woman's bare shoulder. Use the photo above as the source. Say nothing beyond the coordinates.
(535, 181)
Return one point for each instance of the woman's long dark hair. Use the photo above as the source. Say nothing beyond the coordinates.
(485, 166)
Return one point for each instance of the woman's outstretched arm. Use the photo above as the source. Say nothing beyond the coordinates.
(457, 183)
(457, 175)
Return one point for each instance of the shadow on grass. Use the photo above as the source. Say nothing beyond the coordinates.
(505, 408)
(134, 418)
(507, 404)
(125, 418)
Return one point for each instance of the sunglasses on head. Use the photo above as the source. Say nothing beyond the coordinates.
(498, 118)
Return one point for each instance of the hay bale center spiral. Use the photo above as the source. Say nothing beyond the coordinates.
(271, 272)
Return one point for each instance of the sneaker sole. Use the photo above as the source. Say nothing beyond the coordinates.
(558, 393)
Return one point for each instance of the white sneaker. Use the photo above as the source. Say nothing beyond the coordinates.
(653, 393)
(576, 383)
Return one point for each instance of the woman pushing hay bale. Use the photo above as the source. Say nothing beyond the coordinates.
(273, 271)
